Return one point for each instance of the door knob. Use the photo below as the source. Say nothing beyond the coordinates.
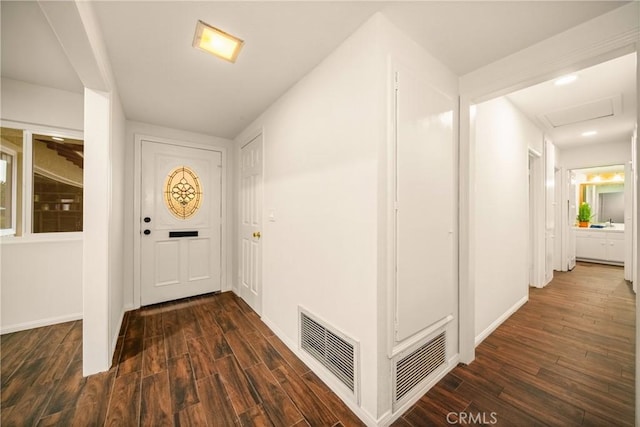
(147, 219)
(256, 234)
(147, 232)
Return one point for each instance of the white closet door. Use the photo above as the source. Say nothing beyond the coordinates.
(425, 194)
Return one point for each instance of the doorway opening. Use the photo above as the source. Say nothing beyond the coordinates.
(602, 201)
(543, 126)
(587, 127)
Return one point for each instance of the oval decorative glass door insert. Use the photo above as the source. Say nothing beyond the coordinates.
(182, 192)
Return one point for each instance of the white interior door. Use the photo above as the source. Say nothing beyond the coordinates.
(532, 228)
(628, 222)
(550, 208)
(572, 210)
(558, 240)
(634, 210)
(181, 211)
(251, 224)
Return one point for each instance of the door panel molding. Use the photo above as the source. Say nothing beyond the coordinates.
(251, 220)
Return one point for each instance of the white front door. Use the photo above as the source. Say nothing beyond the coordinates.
(250, 223)
(181, 210)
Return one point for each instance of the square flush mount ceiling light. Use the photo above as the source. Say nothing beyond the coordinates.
(217, 42)
(565, 80)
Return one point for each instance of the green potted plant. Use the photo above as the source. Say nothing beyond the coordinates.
(584, 214)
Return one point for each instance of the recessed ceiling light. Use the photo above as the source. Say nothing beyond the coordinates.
(217, 42)
(590, 133)
(565, 80)
(57, 138)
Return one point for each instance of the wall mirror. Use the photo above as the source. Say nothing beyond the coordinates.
(603, 189)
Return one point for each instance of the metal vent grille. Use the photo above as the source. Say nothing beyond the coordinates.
(417, 365)
(335, 352)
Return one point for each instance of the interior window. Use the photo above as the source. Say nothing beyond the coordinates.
(57, 184)
(11, 150)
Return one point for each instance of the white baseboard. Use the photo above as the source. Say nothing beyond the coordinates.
(114, 338)
(39, 323)
(327, 378)
(492, 327)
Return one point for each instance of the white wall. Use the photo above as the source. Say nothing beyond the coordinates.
(585, 156)
(321, 142)
(326, 145)
(41, 283)
(52, 292)
(136, 128)
(96, 273)
(503, 136)
(29, 103)
(400, 52)
(116, 220)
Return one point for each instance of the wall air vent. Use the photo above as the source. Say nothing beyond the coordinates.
(334, 350)
(413, 368)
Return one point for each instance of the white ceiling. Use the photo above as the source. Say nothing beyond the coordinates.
(163, 80)
(466, 35)
(30, 49)
(613, 80)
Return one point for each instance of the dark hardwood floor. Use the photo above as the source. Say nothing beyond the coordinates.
(566, 358)
(202, 361)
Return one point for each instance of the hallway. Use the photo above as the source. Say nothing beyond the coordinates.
(565, 358)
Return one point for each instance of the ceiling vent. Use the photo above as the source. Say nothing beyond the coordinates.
(599, 109)
(334, 350)
(412, 369)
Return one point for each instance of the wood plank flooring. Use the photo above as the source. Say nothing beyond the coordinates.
(566, 358)
(204, 361)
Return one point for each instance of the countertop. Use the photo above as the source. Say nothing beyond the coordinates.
(619, 228)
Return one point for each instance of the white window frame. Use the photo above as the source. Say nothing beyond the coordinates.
(27, 179)
(11, 231)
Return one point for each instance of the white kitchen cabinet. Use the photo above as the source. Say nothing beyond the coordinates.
(599, 245)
